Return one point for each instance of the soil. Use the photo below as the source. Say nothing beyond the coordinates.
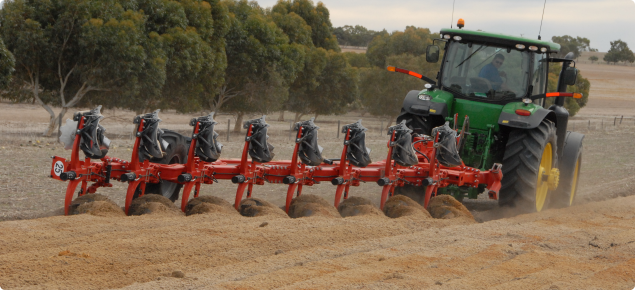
(590, 245)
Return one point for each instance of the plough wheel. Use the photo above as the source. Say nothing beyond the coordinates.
(530, 156)
(176, 153)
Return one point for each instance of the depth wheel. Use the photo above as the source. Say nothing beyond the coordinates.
(530, 168)
(176, 153)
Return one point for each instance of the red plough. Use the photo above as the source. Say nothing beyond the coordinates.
(417, 160)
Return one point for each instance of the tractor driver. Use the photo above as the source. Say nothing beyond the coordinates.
(490, 72)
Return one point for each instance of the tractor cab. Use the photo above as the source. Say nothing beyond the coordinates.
(496, 70)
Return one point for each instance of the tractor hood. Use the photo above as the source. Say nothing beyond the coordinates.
(425, 103)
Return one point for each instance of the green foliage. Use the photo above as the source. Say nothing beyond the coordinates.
(191, 35)
(307, 81)
(582, 86)
(382, 92)
(355, 35)
(258, 53)
(67, 49)
(7, 64)
(571, 44)
(619, 52)
(593, 58)
(316, 16)
(337, 86)
(413, 41)
(132, 54)
(357, 60)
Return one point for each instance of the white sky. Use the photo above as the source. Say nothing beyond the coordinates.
(599, 21)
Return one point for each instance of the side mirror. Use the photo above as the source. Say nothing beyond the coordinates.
(432, 53)
(570, 76)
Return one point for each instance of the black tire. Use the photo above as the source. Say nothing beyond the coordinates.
(521, 163)
(418, 124)
(175, 153)
(570, 166)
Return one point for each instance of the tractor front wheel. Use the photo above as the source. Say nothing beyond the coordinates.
(530, 168)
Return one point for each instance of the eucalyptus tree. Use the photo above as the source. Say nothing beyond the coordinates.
(316, 16)
(72, 48)
(259, 55)
(311, 92)
(382, 92)
(130, 54)
(413, 40)
(7, 64)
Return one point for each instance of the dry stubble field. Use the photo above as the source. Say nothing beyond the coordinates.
(588, 246)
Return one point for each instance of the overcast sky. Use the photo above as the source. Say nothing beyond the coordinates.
(599, 21)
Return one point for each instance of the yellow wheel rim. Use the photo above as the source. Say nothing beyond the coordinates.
(574, 185)
(542, 186)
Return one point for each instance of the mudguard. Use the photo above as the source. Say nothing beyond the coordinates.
(413, 105)
(447, 153)
(357, 153)
(208, 148)
(93, 142)
(259, 148)
(151, 146)
(526, 122)
(309, 151)
(403, 153)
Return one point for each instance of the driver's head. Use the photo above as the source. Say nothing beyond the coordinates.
(498, 60)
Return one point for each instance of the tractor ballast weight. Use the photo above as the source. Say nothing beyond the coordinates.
(499, 83)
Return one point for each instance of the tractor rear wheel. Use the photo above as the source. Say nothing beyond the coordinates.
(570, 165)
(418, 124)
(175, 153)
(530, 168)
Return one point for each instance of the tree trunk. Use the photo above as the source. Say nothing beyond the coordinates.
(239, 122)
(60, 119)
(297, 117)
(281, 117)
(315, 118)
(51, 127)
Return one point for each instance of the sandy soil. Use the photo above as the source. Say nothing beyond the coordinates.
(583, 247)
(588, 246)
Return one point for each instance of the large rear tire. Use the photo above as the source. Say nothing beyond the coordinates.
(570, 166)
(175, 153)
(530, 168)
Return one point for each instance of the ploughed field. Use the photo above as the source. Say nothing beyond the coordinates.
(588, 246)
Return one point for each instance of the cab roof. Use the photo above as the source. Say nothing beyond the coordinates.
(500, 39)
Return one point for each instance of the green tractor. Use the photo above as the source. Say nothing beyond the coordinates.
(495, 86)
